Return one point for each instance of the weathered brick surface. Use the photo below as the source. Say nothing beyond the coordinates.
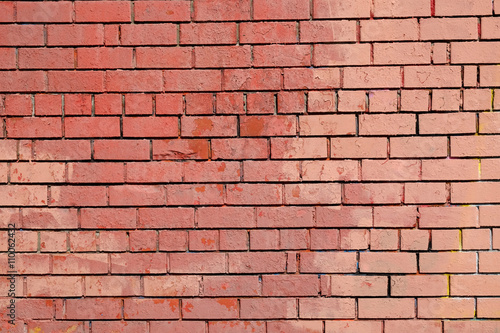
(212, 166)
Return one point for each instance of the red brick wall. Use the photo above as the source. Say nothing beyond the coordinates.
(251, 165)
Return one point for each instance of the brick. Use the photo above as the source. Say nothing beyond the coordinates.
(95, 172)
(447, 123)
(351, 326)
(340, 9)
(254, 194)
(415, 240)
(446, 239)
(171, 285)
(396, 170)
(447, 262)
(268, 308)
(435, 76)
(121, 150)
(264, 239)
(41, 58)
(142, 127)
(380, 262)
(173, 240)
(137, 195)
(480, 146)
(18, 105)
(280, 10)
(192, 80)
(306, 285)
(257, 262)
(239, 149)
(104, 57)
(120, 326)
(85, 263)
(383, 101)
(341, 55)
(209, 194)
(419, 285)
(470, 76)
(457, 169)
(237, 326)
(44, 12)
(82, 241)
(344, 216)
(108, 218)
(486, 308)
(102, 11)
(252, 79)
(448, 217)
(216, 126)
(48, 105)
(156, 11)
(386, 308)
(462, 8)
(324, 239)
(389, 30)
(383, 239)
(284, 217)
(53, 242)
(37, 172)
(208, 33)
(177, 326)
(328, 262)
(281, 55)
(21, 35)
(390, 217)
(93, 308)
(478, 99)
(291, 102)
(419, 193)
(169, 104)
(113, 241)
(446, 307)
(275, 125)
(143, 240)
(294, 239)
(346, 285)
(197, 263)
(282, 171)
(415, 100)
(134, 81)
(488, 76)
(51, 218)
(151, 308)
(222, 56)
(157, 172)
(399, 8)
(199, 103)
(180, 149)
(209, 10)
(321, 308)
(354, 239)
(321, 101)
(359, 147)
(327, 125)
(474, 285)
(461, 325)
(372, 77)
(231, 286)
(401, 53)
(7, 12)
(30, 127)
(54, 286)
(373, 193)
(164, 57)
(268, 32)
(138, 263)
(489, 123)
(298, 148)
(487, 216)
(81, 81)
(149, 34)
(478, 239)
(327, 31)
(311, 78)
(489, 26)
(203, 240)
(403, 147)
(448, 28)
(22, 195)
(474, 192)
(28, 263)
(460, 52)
(351, 101)
(75, 35)
(312, 194)
(233, 240)
(229, 103)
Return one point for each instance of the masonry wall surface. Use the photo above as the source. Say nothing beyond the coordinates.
(214, 166)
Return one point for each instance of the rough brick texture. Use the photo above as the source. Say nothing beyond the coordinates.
(212, 166)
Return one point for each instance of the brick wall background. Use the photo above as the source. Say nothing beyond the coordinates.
(251, 165)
